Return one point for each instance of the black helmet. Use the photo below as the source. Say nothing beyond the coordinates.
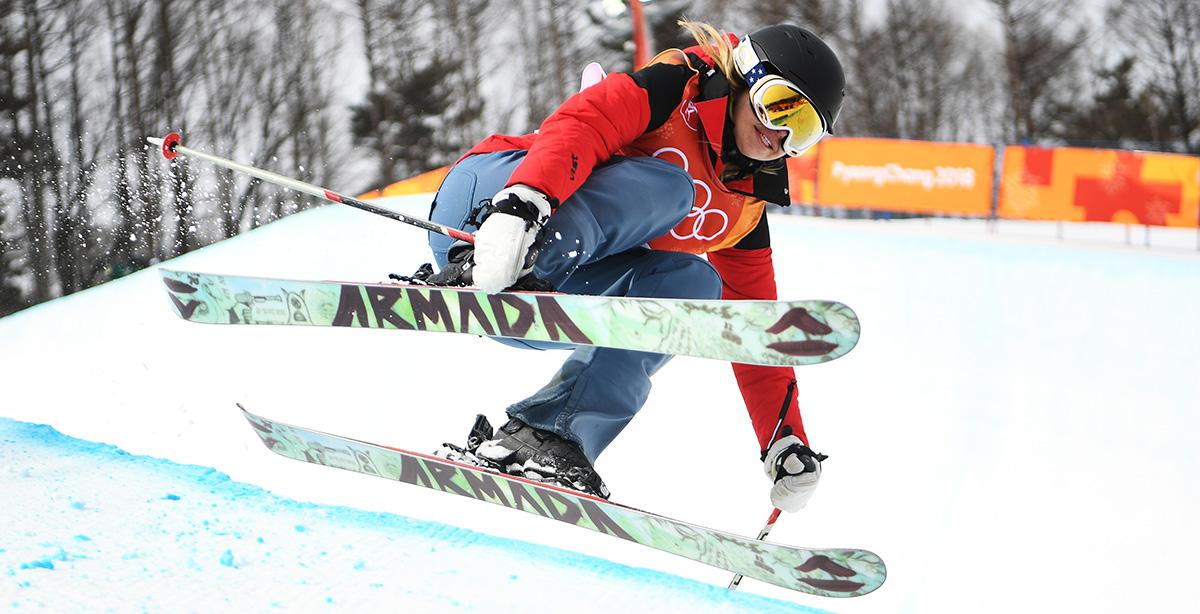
(803, 58)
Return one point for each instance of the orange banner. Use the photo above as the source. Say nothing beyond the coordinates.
(425, 183)
(802, 177)
(1100, 185)
(910, 176)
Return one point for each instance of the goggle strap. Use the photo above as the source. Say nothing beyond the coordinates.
(747, 62)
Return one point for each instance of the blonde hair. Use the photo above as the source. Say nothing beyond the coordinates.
(717, 46)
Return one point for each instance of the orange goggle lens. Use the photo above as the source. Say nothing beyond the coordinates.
(780, 106)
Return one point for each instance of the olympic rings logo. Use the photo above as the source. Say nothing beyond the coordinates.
(699, 214)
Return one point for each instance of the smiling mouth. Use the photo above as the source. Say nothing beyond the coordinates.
(766, 141)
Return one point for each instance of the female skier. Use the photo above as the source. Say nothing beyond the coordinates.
(616, 194)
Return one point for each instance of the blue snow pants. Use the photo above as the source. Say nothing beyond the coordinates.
(595, 243)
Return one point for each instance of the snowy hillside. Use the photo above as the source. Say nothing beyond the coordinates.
(171, 538)
(1015, 431)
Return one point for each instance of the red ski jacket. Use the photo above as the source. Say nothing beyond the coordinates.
(677, 102)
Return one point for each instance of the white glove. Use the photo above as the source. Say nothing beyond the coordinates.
(795, 470)
(503, 240)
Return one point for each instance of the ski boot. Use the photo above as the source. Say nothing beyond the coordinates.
(531, 453)
(481, 431)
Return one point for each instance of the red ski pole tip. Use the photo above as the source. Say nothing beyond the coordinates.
(168, 145)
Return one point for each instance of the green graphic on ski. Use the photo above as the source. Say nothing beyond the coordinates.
(826, 572)
(776, 333)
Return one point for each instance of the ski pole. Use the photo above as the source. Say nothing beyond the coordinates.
(170, 148)
(737, 578)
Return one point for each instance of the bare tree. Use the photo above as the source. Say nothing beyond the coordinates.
(866, 110)
(11, 296)
(12, 240)
(824, 17)
(75, 230)
(974, 96)
(83, 82)
(135, 35)
(37, 155)
(303, 51)
(548, 46)
(173, 49)
(728, 15)
(929, 68)
(1163, 34)
(243, 97)
(409, 117)
(121, 255)
(379, 123)
(463, 37)
(1040, 61)
(1118, 114)
(914, 73)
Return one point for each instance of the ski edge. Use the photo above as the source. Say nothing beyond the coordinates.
(167, 273)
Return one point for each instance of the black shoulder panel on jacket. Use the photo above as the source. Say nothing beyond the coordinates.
(664, 85)
(713, 83)
(758, 238)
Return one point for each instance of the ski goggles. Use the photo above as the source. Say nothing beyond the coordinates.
(780, 105)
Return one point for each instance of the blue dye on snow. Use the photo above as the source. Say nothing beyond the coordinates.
(47, 562)
(220, 490)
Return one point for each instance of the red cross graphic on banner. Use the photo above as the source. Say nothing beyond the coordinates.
(1149, 202)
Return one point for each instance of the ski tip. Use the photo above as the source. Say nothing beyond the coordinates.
(245, 412)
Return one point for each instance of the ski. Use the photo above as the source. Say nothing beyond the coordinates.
(826, 572)
(776, 333)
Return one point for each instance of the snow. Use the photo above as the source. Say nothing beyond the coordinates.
(176, 537)
(1015, 431)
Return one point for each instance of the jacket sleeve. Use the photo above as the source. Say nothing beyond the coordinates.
(749, 273)
(587, 129)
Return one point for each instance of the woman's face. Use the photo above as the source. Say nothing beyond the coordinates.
(754, 140)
